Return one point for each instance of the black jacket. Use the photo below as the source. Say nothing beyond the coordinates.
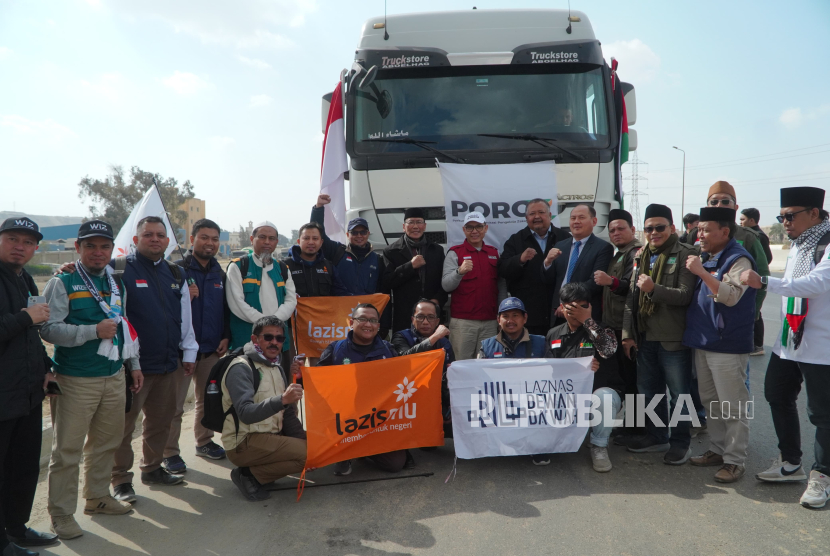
(313, 279)
(594, 255)
(764, 238)
(405, 282)
(525, 280)
(23, 359)
(580, 344)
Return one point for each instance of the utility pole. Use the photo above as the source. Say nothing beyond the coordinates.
(683, 191)
(637, 167)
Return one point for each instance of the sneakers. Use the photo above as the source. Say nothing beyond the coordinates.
(782, 472)
(646, 443)
(211, 450)
(707, 459)
(161, 476)
(124, 493)
(540, 459)
(759, 350)
(65, 527)
(249, 486)
(729, 473)
(600, 459)
(677, 455)
(818, 491)
(107, 505)
(342, 468)
(174, 464)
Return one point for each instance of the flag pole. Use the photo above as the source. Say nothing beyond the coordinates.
(155, 184)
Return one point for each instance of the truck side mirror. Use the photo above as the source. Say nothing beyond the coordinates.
(369, 78)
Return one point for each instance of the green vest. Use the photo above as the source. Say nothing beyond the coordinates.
(251, 280)
(84, 310)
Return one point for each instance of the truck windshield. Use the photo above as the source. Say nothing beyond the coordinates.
(451, 110)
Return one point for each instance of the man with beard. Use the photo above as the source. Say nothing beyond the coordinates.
(426, 334)
(414, 267)
(211, 324)
(313, 275)
(258, 286)
(521, 264)
(800, 351)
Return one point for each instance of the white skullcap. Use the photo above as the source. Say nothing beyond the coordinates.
(264, 223)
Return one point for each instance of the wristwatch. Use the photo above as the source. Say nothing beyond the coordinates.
(764, 280)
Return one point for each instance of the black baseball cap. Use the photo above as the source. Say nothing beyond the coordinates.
(95, 228)
(22, 224)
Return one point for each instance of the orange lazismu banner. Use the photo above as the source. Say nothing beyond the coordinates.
(372, 408)
(319, 321)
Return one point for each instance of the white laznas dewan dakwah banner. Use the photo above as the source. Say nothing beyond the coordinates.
(518, 407)
(498, 191)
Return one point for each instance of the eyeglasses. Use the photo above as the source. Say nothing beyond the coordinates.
(659, 229)
(273, 337)
(364, 320)
(474, 228)
(716, 202)
(788, 216)
(359, 232)
(415, 222)
(422, 318)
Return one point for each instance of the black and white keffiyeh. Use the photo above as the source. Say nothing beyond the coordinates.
(797, 307)
(807, 243)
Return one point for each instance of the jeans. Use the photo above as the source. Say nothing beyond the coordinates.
(601, 432)
(781, 388)
(657, 369)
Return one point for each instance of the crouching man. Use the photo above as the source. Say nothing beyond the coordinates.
(269, 442)
(582, 336)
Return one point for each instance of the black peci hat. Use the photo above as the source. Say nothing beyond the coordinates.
(802, 197)
(413, 213)
(620, 214)
(717, 214)
(658, 211)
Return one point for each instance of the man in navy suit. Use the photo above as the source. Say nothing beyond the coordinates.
(576, 259)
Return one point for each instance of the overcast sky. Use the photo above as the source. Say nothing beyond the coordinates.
(227, 95)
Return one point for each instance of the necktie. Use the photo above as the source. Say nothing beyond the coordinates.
(572, 262)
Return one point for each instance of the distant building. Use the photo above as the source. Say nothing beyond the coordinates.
(195, 209)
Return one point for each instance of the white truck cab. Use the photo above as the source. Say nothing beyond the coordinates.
(435, 85)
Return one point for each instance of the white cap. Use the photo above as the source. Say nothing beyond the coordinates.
(474, 217)
(264, 223)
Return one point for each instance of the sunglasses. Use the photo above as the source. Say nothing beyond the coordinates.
(273, 338)
(659, 229)
(716, 202)
(359, 232)
(364, 320)
(789, 216)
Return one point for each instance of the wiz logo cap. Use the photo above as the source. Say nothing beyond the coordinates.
(23, 224)
(95, 228)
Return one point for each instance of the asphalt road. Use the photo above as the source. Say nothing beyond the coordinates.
(494, 506)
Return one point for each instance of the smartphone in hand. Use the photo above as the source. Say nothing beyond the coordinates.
(54, 388)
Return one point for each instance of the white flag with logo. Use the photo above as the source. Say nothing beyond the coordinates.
(498, 191)
(512, 407)
(149, 205)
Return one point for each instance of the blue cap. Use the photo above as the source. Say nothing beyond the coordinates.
(354, 223)
(510, 304)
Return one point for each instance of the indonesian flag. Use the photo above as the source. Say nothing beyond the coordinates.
(333, 167)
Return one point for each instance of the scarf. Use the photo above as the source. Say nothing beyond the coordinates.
(417, 248)
(797, 307)
(274, 361)
(359, 252)
(109, 346)
(647, 306)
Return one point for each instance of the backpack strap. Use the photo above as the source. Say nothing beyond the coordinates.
(821, 247)
(338, 254)
(175, 269)
(120, 265)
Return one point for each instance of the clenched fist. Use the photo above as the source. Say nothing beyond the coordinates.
(528, 254)
(418, 261)
(553, 254)
(106, 329)
(645, 283)
(602, 279)
(465, 267)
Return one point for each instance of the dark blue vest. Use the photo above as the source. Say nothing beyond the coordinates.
(714, 326)
(444, 343)
(494, 350)
(155, 301)
(208, 309)
(344, 349)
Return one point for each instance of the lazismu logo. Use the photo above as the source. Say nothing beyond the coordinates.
(553, 57)
(334, 332)
(372, 421)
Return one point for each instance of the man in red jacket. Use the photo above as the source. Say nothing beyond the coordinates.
(471, 275)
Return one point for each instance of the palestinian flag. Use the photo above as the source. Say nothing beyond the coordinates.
(794, 322)
(619, 109)
(624, 135)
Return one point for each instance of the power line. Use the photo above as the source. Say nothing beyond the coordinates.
(742, 183)
(763, 156)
